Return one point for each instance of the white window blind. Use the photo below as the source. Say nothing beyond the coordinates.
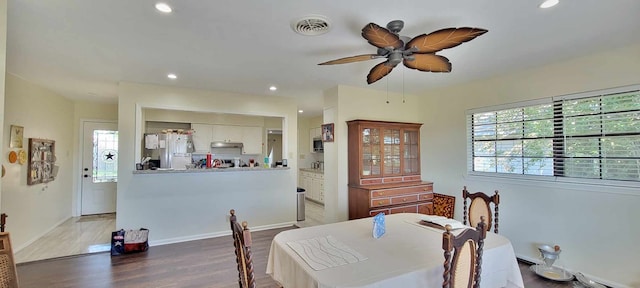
(595, 135)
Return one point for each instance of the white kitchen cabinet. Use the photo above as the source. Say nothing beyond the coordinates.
(249, 136)
(227, 133)
(313, 183)
(314, 133)
(202, 137)
(251, 140)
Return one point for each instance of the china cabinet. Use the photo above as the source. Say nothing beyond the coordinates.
(384, 169)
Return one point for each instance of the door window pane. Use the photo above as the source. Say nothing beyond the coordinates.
(105, 156)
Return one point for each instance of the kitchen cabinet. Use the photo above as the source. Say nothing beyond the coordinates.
(316, 133)
(249, 136)
(252, 140)
(384, 169)
(227, 133)
(202, 136)
(313, 183)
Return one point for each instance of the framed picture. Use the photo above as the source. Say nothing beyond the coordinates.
(17, 134)
(327, 132)
(42, 159)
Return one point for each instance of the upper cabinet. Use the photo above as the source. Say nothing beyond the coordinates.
(314, 133)
(383, 151)
(226, 133)
(249, 136)
(202, 135)
(252, 140)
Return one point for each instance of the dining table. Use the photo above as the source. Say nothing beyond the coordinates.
(408, 254)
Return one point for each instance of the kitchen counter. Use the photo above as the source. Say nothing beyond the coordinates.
(210, 170)
(320, 171)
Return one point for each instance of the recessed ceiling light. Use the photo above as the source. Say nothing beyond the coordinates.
(549, 3)
(300, 111)
(172, 76)
(273, 88)
(163, 7)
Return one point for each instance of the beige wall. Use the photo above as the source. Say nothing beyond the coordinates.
(35, 209)
(3, 58)
(580, 218)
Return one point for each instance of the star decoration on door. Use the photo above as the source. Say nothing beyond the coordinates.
(109, 155)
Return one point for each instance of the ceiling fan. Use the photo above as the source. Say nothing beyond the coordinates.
(417, 53)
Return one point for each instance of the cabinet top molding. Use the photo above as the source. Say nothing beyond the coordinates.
(383, 122)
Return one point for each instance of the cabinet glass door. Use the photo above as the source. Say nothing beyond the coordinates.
(391, 151)
(411, 159)
(370, 152)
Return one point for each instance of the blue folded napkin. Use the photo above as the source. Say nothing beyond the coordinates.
(378, 225)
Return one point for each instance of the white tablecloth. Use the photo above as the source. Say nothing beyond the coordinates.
(408, 255)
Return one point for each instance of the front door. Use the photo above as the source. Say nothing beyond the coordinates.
(99, 167)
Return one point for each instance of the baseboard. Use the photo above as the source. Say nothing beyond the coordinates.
(34, 239)
(217, 234)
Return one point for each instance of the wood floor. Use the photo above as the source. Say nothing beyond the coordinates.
(202, 263)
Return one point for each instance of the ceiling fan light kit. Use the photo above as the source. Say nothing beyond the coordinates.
(415, 53)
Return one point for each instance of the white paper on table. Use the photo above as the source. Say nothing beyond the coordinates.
(325, 252)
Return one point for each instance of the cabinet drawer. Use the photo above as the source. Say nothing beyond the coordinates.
(370, 181)
(425, 196)
(412, 178)
(426, 208)
(404, 209)
(404, 199)
(375, 212)
(401, 191)
(392, 179)
(380, 202)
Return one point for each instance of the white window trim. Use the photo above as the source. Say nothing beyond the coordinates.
(596, 185)
(593, 185)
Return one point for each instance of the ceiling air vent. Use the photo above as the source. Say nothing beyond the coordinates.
(311, 25)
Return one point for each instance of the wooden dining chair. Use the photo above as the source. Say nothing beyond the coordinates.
(242, 244)
(8, 272)
(463, 270)
(480, 206)
(443, 205)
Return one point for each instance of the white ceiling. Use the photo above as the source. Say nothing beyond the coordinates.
(81, 49)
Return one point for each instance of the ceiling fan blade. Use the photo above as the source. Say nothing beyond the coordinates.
(429, 63)
(351, 59)
(442, 39)
(379, 71)
(381, 37)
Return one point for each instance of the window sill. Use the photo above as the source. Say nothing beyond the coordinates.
(594, 185)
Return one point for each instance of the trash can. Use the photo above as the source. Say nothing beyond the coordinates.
(300, 203)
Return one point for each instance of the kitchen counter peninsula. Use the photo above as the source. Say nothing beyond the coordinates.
(209, 170)
(191, 204)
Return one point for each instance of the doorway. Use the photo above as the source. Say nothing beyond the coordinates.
(274, 143)
(99, 167)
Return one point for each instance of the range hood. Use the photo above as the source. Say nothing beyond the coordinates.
(226, 145)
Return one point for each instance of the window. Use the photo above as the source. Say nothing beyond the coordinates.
(592, 135)
(105, 156)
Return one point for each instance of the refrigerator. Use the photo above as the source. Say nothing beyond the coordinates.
(172, 149)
